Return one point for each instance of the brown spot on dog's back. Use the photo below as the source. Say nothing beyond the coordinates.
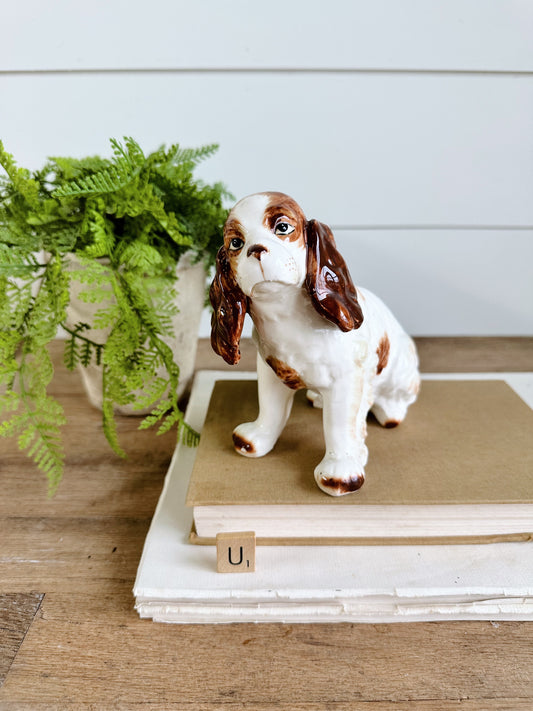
(383, 352)
(344, 486)
(286, 374)
(242, 444)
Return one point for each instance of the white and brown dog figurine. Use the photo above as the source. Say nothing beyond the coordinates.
(313, 330)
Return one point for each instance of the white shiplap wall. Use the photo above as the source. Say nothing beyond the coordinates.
(405, 124)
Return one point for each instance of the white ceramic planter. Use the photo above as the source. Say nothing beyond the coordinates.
(191, 279)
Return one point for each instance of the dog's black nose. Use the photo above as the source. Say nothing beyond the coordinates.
(256, 250)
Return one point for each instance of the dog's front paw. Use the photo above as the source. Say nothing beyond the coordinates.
(252, 440)
(339, 476)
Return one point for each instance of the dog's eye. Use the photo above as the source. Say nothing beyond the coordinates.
(236, 244)
(283, 228)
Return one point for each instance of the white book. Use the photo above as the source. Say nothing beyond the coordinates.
(178, 582)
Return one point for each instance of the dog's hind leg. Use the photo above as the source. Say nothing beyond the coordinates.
(314, 399)
(396, 389)
(389, 412)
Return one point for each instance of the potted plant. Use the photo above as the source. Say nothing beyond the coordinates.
(109, 236)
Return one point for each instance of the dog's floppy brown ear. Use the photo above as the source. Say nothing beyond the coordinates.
(230, 305)
(328, 280)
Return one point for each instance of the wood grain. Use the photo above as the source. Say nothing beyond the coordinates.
(16, 615)
(411, 705)
(475, 354)
(87, 648)
(88, 643)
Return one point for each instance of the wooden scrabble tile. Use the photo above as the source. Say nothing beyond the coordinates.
(236, 552)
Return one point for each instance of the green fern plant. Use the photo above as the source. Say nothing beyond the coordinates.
(128, 219)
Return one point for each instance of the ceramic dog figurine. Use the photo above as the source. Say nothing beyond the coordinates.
(313, 330)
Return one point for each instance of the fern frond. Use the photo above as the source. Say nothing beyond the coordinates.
(175, 416)
(108, 180)
(191, 156)
(60, 169)
(135, 299)
(108, 415)
(106, 317)
(40, 439)
(37, 418)
(22, 185)
(86, 354)
(20, 239)
(155, 416)
(141, 256)
(103, 236)
(49, 306)
(131, 154)
(71, 356)
(80, 349)
(168, 414)
(152, 392)
(9, 402)
(189, 435)
(111, 178)
(16, 270)
(91, 271)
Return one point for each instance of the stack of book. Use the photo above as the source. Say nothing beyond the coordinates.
(442, 528)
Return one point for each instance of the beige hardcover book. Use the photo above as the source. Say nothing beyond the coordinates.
(458, 469)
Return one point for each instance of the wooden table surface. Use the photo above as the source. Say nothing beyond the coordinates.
(70, 638)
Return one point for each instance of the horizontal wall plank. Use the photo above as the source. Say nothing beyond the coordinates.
(446, 283)
(459, 283)
(354, 149)
(456, 35)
